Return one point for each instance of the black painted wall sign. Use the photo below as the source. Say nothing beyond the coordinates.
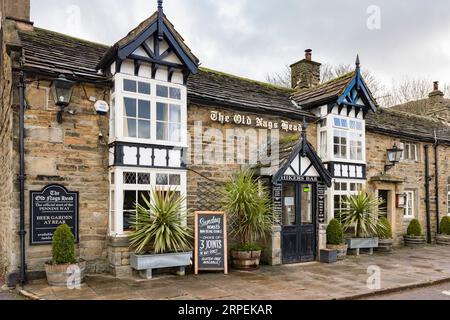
(321, 192)
(50, 208)
(211, 242)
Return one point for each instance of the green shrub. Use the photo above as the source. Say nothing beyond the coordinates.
(335, 233)
(248, 247)
(63, 246)
(444, 227)
(386, 232)
(414, 228)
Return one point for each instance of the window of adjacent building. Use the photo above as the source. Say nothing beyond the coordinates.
(410, 151)
(409, 208)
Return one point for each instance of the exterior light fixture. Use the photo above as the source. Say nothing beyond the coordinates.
(393, 156)
(62, 93)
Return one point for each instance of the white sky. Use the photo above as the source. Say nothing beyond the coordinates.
(254, 37)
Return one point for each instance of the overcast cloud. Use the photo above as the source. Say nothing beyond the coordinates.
(254, 37)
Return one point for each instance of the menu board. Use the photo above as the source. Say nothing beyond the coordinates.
(211, 241)
(50, 208)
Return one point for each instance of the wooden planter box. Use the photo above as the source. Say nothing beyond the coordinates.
(328, 256)
(59, 274)
(146, 263)
(341, 250)
(443, 239)
(413, 241)
(385, 245)
(362, 243)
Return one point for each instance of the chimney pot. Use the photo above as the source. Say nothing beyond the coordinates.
(308, 54)
(436, 85)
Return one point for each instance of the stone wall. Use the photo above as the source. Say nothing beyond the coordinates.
(73, 154)
(413, 176)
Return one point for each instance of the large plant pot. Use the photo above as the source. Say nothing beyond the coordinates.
(245, 260)
(414, 241)
(328, 256)
(385, 245)
(443, 239)
(146, 263)
(62, 275)
(341, 250)
(362, 243)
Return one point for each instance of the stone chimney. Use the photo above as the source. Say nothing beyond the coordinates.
(436, 93)
(305, 73)
(15, 9)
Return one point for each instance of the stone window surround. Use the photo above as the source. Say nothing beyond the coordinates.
(408, 217)
(117, 187)
(412, 146)
(117, 110)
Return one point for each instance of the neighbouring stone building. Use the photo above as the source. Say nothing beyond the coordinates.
(143, 113)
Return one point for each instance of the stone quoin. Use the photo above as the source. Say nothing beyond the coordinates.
(175, 125)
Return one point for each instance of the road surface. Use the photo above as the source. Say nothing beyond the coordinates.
(436, 292)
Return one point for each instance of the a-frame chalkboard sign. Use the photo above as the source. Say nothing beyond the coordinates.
(211, 249)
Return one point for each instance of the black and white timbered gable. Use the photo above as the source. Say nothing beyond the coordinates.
(302, 165)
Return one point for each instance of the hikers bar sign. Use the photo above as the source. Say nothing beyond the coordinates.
(211, 242)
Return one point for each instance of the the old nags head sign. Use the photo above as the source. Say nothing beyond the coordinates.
(50, 208)
(211, 241)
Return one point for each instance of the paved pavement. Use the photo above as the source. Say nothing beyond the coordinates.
(436, 292)
(404, 267)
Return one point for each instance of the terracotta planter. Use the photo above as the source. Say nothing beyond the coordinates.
(341, 250)
(413, 241)
(385, 245)
(60, 275)
(245, 260)
(443, 239)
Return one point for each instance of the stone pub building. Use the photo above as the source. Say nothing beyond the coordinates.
(91, 127)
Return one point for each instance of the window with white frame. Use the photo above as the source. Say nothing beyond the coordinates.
(409, 207)
(348, 139)
(131, 187)
(323, 144)
(410, 151)
(148, 111)
(340, 192)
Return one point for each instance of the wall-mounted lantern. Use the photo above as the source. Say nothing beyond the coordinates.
(394, 156)
(62, 93)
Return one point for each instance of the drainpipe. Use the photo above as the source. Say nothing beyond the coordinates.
(427, 192)
(22, 231)
(436, 173)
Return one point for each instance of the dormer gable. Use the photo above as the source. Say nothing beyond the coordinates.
(156, 43)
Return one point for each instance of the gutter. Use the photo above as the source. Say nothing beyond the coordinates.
(22, 231)
(436, 177)
(427, 192)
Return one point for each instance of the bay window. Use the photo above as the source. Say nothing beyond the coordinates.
(148, 111)
(348, 139)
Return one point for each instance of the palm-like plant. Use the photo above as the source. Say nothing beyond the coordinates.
(158, 224)
(362, 212)
(248, 205)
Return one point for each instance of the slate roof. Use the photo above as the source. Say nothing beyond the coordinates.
(225, 89)
(324, 93)
(53, 53)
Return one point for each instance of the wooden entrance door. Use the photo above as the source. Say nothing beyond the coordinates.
(299, 223)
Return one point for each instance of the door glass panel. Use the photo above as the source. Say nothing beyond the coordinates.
(306, 203)
(289, 208)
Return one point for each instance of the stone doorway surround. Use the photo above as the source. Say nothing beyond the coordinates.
(394, 185)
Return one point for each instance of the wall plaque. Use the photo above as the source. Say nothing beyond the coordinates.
(211, 241)
(50, 208)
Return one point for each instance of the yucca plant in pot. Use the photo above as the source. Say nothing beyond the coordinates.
(65, 268)
(161, 237)
(414, 236)
(248, 206)
(361, 213)
(443, 238)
